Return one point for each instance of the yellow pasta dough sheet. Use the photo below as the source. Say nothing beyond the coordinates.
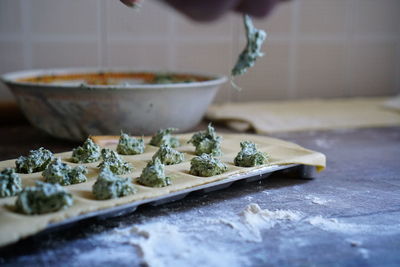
(304, 115)
(14, 226)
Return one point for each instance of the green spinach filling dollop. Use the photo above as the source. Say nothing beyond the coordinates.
(252, 51)
(164, 137)
(88, 152)
(153, 175)
(112, 161)
(207, 142)
(43, 198)
(130, 145)
(168, 156)
(249, 156)
(10, 183)
(36, 161)
(63, 174)
(205, 165)
(108, 186)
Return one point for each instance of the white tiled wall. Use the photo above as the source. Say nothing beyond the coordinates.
(315, 48)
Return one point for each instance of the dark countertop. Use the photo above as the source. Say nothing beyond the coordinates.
(349, 215)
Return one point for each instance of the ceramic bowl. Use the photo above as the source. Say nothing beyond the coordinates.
(75, 103)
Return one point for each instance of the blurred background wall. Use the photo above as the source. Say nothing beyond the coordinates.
(315, 48)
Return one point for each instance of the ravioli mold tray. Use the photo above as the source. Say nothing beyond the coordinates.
(287, 160)
(297, 171)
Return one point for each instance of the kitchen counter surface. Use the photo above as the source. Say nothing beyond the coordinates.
(349, 215)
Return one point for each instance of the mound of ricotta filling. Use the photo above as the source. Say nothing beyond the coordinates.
(249, 156)
(205, 165)
(113, 162)
(207, 142)
(153, 175)
(88, 152)
(109, 186)
(63, 174)
(36, 161)
(43, 198)
(164, 137)
(129, 145)
(168, 156)
(10, 183)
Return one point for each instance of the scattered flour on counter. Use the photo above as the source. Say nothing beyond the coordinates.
(357, 244)
(333, 225)
(317, 200)
(354, 243)
(98, 255)
(180, 241)
(230, 223)
(256, 219)
(364, 253)
(158, 241)
(253, 220)
(249, 198)
(163, 244)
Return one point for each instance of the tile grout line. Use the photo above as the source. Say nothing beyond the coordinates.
(99, 34)
(350, 13)
(64, 38)
(11, 37)
(102, 51)
(234, 45)
(105, 34)
(236, 32)
(171, 42)
(26, 19)
(397, 67)
(293, 50)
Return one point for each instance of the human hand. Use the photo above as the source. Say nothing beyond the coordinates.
(208, 10)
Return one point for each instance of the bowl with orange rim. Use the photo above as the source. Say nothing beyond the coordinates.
(75, 103)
